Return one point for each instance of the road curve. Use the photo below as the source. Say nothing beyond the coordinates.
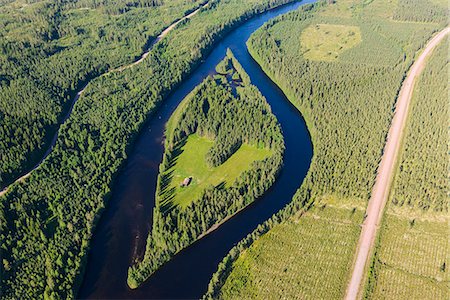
(80, 91)
(386, 170)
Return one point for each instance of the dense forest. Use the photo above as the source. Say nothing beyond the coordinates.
(347, 103)
(230, 111)
(422, 177)
(50, 49)
(421, 11)
(47, 221)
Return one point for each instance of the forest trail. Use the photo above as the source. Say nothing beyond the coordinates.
(144, 55)
(386, 170)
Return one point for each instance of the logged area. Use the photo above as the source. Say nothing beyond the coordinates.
(322, 242)
(347, 98)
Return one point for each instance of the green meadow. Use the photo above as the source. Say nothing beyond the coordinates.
(191, 163)
(326, 41)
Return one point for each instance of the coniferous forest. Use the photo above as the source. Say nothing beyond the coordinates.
(82, 80)
(49, 50)
(348, 104)
(47, 222)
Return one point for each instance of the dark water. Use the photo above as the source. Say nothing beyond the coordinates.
(122, 231)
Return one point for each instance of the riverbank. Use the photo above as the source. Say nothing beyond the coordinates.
(133, 200)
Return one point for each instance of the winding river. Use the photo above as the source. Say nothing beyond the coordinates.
(122, 231)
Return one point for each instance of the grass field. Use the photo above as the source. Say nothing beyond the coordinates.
(305, 258)
(326, 41)
(191, 163)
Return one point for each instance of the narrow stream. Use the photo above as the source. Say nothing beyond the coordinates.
(122, 231)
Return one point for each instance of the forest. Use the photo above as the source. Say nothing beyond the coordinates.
(421, 11)
(421, 181)
(47, 221)
(348, 104)
(49, 50)
(232, 112)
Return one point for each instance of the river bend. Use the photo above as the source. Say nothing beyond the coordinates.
(121, 233)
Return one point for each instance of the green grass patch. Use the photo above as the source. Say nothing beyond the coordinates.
(325, 42)
(191, 163)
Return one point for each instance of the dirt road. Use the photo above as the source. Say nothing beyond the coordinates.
(80, 92)
(380, 191)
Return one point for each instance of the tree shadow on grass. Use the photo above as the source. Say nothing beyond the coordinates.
(221, 186)
(168, 204)
(176, 152)
(165, 181)
(167, 192)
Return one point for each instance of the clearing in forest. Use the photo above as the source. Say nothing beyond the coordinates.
(313, 251)
(325, 42)
(191, 163)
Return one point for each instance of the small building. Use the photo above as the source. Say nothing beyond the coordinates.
(186, 181)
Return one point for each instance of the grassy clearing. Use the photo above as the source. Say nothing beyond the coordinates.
(191, 163)
(304, 258)
(324, 42)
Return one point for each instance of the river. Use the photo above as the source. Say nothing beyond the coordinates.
(121, 233)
